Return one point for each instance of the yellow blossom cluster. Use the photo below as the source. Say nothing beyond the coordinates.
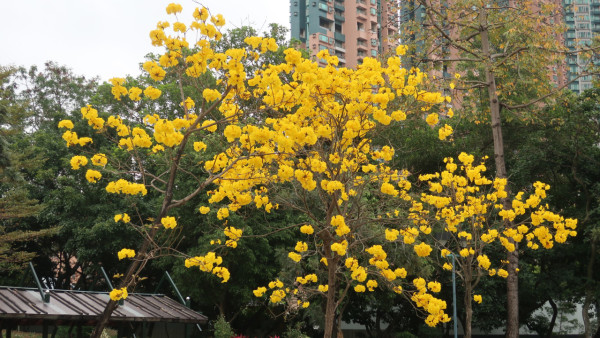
(99, 160)
(91, 115)
(67, 124)
(310, 278)
(278, 293)
(78, 162)
(210, 263)
(379, 260)
(118, 294)
(307, 229)
(168, 222)
(234, 236)
(339, 223)
(73, 139)
(433, 306)
(126, 253)
(340, 247)
(125, 187)
(92, 175)
(122, 217)
(117, 89)
(423, 249)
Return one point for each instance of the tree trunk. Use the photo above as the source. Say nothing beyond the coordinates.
(587, 328)
(468, 300)
(512, 282)
(331, 302)
(127, 281)
(589, 291)
(553, 320)
(512, 295)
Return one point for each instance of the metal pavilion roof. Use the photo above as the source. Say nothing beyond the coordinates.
(26, 306)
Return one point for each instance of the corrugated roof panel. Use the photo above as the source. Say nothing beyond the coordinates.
(24, 303)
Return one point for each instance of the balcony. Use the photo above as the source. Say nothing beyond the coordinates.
(361, 14)
(339, 37)
(362, 45)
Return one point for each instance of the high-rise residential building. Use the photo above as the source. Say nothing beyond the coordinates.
(583, 23)
(350, 29)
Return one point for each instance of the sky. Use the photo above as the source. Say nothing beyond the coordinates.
(108, 38)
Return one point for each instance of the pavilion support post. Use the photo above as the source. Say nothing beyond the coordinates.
(44, 329)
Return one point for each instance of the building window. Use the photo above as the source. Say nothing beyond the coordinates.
(373, 11)
(324, 23)
(324, 38)
(584, 35)
(583, 9)
(373, 53)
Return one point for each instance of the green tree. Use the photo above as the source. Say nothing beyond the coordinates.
(15, 204)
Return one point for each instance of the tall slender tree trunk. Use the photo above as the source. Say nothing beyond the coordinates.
(331, 301)
(512, 282)
(468, 301)
(589, 291)
(553, 319)
(512, 295)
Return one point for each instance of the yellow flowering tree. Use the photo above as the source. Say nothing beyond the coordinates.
(157, 149)
(307, 147)
(315, 155)
(464, 213)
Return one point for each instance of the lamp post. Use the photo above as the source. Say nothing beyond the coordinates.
(443, 239)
